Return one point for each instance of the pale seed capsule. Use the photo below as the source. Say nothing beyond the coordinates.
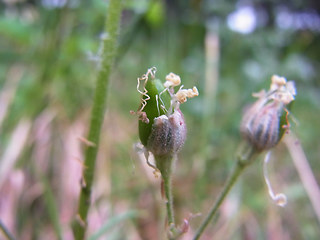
(168, 134)
(160, 141)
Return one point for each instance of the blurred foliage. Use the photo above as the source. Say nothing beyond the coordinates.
(56, 45)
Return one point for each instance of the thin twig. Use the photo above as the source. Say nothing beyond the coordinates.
(230, 182)
(242, 162)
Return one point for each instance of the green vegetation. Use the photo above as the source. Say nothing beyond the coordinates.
(55, 62)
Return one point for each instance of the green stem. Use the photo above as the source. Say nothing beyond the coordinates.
(169, 200)
(97, 113)
(243, 161)
(164, 164)
(6, 232)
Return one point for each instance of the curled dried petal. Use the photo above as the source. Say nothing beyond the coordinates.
(183, 94)
(172, 80)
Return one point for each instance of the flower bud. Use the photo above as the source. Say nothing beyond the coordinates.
(264, 123)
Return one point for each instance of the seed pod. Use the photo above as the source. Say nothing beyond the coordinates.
(179, 129)
(265, 122)
(168, 134)
(153, 107)
(261, 125)
(161, 142)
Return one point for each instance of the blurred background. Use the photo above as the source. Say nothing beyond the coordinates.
(49, 53)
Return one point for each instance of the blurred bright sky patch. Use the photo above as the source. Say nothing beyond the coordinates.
(243, 20)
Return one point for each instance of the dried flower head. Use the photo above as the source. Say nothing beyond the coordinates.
(264, 123)
(162, 128)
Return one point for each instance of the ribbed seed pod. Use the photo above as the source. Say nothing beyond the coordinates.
(265, 122)
(261, 126)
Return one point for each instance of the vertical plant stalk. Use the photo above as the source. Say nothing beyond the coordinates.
(169, 199)
(109, 48)
(164, 164)
(243, 160)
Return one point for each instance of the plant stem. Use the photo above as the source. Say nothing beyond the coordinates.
(6, 232)
(164, 164)
(243, 161)
(169, 200)
(230, 182)
(97, 113)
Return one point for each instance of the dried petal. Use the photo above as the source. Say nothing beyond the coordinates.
(172, 80)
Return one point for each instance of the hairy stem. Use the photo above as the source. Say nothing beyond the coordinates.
(243, 160)
(97, 113)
